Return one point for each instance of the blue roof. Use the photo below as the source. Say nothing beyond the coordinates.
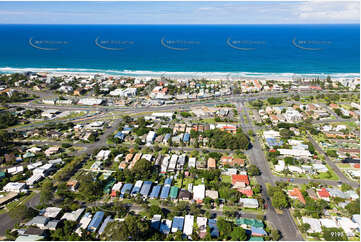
(212, 223)
(165, 192)
(97, 219)
(155, 224)
(178, 223)
(256, 230)
(155, 191)
(167, 137)
(126, 188)
(164, 227)
(168, 181)
(127, 129)
(135, 190)
(186, 137)
(105, 223)
(146, 188)
(119, 135)
(273, 142)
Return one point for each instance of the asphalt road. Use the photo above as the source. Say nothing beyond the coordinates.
(282, 222)
(338, 172)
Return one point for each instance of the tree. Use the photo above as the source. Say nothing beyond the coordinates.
(353, 207)
(286, 133)
(239, 234)
(132, 228)
(253, 170)
(275, 234)
(279, 200)
(225, 228)
(46, 192)
(65, 232)
(305, 227)
(142, 169)
(154, 209)
(4, 138)
(89, 187)
(274, 100)
(334, 234)
(22, 212)
(345, 187)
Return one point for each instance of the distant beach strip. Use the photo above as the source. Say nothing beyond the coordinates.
(185, 75)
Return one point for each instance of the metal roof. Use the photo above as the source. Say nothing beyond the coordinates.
(178, 223)
(165, 192)
(105, 223)
(126, 188)
(155, 191)
(97, 219)
(147, 185)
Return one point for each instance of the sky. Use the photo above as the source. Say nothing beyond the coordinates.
(179, 12)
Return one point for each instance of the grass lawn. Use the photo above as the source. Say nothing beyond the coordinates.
(343, 165)
(209, 120)
(226, 179)
(325, 175)
(186, 181)
(23, 199)
(253, 210)
(155, 202)
(88, 164)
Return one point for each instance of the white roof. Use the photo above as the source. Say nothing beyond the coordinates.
(51, 212)
(249, 201)
(138, 183)
(295, 169)
(13, 186)
(356, 218)
(271, 134)
(34, 178)
(188, 225)
(202, 224)
(73, 216)
(328, 223)
(347, 223)
(295, 152)
(314, 223)
(148, 157)
(199, 192)
(117, 186)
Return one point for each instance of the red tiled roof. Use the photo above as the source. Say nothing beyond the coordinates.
(297, 193)
(240, 178)
(356, 165)
(248, 192)
(323, 193)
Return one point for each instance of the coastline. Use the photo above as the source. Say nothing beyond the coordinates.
(179, 74)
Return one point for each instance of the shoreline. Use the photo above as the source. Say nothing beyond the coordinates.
(178, 74)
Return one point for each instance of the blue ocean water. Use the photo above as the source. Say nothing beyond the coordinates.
(147, 49)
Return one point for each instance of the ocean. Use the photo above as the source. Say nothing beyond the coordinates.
(236, 50)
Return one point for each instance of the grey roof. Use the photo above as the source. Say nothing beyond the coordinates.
(52, 224)
(147, 185)
(105, 223)
(38, 220)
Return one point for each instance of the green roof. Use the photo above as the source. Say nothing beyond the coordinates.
(256, 239)
(28, 155)
(173, 192)
(109, 185)
(2, 174)
(251, 222)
